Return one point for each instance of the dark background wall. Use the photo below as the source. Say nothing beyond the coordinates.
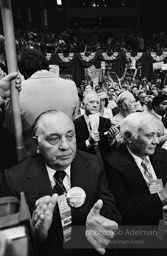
(145, 15)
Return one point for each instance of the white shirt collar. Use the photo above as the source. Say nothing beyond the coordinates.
(51, 172)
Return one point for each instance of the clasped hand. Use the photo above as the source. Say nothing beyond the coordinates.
(94, 137)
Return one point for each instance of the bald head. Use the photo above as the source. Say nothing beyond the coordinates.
(49, 116)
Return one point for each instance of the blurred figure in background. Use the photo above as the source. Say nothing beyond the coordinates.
(104, 110)
(41, 90)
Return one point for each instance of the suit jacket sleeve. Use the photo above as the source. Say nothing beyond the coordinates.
(109, 209)
(82, 133)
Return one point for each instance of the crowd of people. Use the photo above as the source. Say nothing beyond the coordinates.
(95, 158)
(76, 40)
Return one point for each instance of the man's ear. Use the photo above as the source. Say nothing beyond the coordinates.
(128, 137)
(83, 104)
(36, 143)
(35, 138)
(124, 105)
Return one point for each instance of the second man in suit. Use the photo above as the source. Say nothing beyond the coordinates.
(89, 137)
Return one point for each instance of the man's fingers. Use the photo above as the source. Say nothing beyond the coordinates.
(110, 224)
(108, 235)
(52, 202)
(96, 242)
(38, 212)
(40, 221)
(101, 250)
(44, 199)
(11, 76)
(102, 241)
(97, 207)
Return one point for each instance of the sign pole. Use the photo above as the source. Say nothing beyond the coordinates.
(8, 27)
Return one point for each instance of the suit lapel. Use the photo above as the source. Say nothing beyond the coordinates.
(102, 125)
(133, 173)
(36, 182)
(78, 172)
(84, 125)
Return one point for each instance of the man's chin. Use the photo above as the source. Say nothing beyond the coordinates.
(152, 151)
(94, 111)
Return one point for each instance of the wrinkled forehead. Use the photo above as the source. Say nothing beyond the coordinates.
(55, 124)
(92, 97)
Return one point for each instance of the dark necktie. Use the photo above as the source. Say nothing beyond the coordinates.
(59, 187)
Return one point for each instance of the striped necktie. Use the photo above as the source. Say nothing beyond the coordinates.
(147, 173)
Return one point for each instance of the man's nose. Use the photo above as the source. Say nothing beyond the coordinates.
(156, 139)
(64, 144)
(95, 104)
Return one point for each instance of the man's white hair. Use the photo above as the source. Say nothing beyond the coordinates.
(135, 121)
(88, 94)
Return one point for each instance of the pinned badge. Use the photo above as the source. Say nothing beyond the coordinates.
(76, 197)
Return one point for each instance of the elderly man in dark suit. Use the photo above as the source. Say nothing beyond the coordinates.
(87, 136)
(55, 176)
(137, 172)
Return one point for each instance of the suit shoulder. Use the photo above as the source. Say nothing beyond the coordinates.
(105, 121)
(90, 158)
(78, 120)
(114, 156)
(21, 166)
